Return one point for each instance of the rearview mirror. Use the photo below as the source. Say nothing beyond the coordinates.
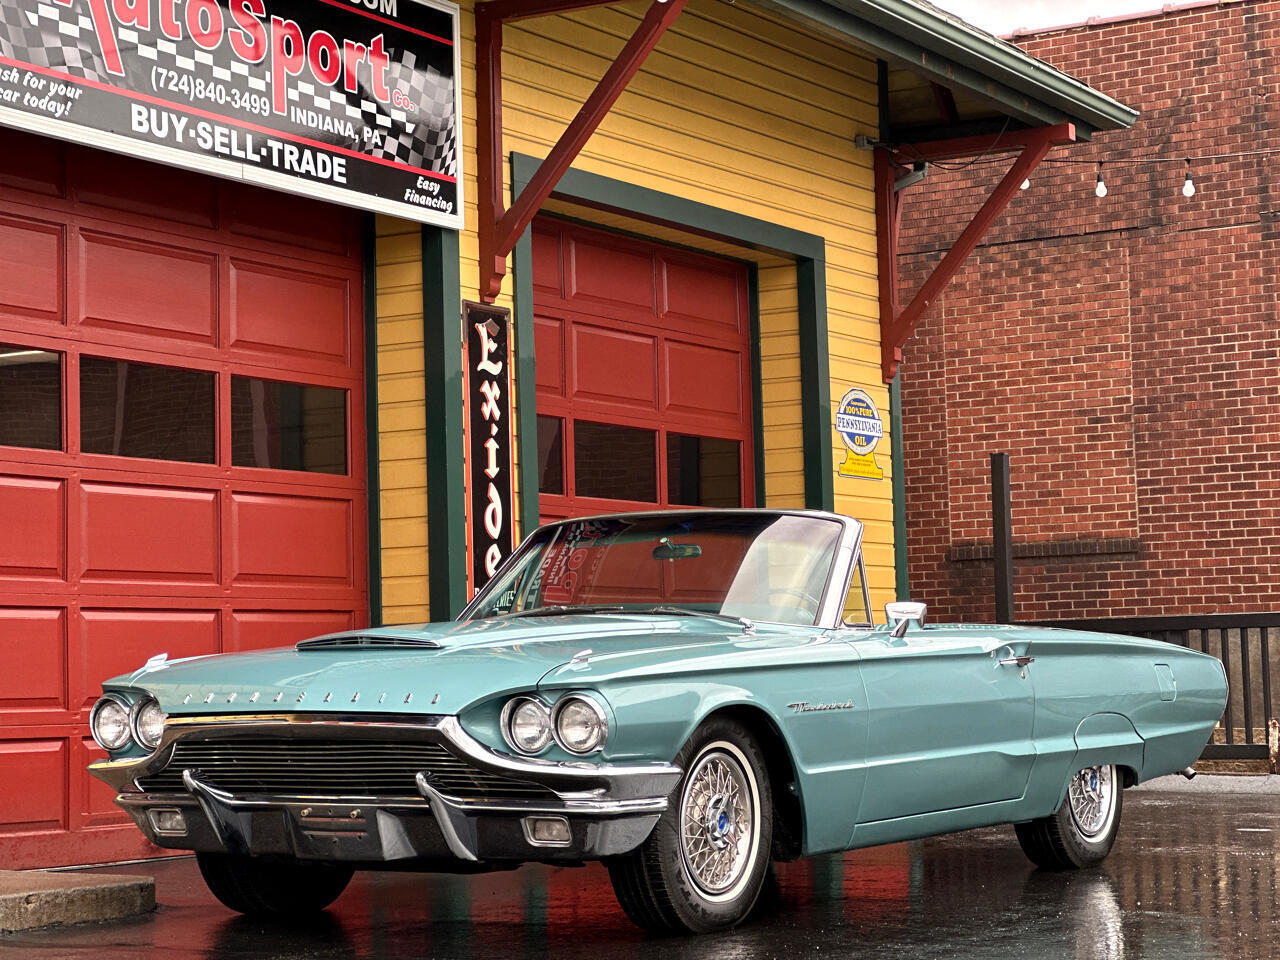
(666, 550)
(901, 613)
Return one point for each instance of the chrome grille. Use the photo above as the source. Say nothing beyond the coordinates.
(332, 767)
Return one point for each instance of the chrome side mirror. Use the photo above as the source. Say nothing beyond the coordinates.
(900, 615)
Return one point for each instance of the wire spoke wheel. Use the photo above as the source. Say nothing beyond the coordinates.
(716, 828)
(717, 823)
(1081, 832)
(1092, 799)
(705, 862)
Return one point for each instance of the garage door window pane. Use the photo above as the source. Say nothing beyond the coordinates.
(614, 462)
(288, 426)
(550, 454)
(703, 471)
(30, 397)
(140, 410)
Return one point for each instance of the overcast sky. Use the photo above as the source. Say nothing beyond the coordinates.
(1004, 16)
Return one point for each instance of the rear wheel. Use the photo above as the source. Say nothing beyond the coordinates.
(702, 867)
(280, 888)
(1083, 829)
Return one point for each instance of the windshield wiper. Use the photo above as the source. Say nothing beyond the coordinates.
(564, 609)
(748, 626)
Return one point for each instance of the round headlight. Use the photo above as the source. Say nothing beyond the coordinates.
(526, 725)
(581, 724)
(109, 723)
(147, 723)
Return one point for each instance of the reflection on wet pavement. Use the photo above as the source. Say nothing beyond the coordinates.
(1191, 876)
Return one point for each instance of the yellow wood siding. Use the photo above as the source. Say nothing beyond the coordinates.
(734, 109)
(402, 474)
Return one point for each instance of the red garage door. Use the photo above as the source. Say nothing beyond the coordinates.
(181, 455)
(644, 374)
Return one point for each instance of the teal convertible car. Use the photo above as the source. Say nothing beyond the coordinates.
(685, 696)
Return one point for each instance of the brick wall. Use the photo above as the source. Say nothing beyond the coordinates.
(1125, 351)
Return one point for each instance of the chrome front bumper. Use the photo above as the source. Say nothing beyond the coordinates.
(607, 809)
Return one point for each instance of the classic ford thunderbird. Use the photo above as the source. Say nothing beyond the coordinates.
(685, 696)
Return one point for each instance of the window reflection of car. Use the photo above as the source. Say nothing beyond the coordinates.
(772, 568)
(684, 695)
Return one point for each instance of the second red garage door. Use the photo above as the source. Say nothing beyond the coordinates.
(644, 374)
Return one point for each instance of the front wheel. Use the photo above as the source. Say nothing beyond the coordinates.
(702, 867)
(279, 888)
(1083, 829)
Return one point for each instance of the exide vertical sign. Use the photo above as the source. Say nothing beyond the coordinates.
(488, 438)
(354, 101)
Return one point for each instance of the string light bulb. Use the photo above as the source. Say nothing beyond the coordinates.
(1188, 187)
(1025, 184)
(1100, 190)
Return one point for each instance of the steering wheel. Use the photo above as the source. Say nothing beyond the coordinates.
(809, 600)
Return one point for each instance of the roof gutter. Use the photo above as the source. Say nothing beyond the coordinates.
(998, 59)
(953, 53)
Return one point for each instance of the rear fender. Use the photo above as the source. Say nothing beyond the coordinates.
(1106, 738)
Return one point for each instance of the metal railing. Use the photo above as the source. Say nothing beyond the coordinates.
(1248, 644)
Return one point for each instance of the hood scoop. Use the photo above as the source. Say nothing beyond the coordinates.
(357, 641)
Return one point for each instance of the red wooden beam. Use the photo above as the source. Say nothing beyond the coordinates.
(896, 327)
(499, 228)
(489, 195)
(888, 209)
(983, 143)
(946, 102)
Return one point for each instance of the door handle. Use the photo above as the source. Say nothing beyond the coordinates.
(1017, 661)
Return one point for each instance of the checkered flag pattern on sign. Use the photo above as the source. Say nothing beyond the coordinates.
(47, 35)
(428, 141)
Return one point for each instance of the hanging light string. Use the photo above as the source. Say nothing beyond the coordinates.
(988, 158)
(996, 154)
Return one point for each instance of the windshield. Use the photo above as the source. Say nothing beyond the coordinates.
(766, 567)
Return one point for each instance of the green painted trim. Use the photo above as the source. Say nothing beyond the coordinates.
(593, 189)
(524, 359)
(757, 377)
(373, 476)
(815, 384)
(921, 38)
(807, 249)
(443, 402)
(902, 582)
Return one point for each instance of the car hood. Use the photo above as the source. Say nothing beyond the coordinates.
(474, 660)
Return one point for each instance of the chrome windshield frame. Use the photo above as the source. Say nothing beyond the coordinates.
(839, 576)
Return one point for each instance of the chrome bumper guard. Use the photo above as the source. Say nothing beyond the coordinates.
(607, 808)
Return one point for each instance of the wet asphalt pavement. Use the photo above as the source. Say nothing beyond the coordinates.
(1192, 875)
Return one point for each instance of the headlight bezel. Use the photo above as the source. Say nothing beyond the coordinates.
(123, 704)
(135, 718)
(592, 704)
(508, 715)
